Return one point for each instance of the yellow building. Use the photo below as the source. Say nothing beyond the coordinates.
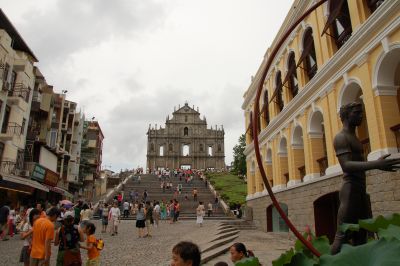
(344, 51)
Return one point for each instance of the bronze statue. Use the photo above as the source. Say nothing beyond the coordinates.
(354, 200)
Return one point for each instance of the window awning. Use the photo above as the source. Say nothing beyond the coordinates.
(24, 181)
(305, 52)
(278, 88)
(60, 191)
(333, 14)
(291, 70)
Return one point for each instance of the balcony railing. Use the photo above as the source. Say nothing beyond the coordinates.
(12, 129)
(323, 164)
(8, 167)
(396, 132)
(20, 90)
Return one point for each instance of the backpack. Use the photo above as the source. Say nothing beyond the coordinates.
(99, 244)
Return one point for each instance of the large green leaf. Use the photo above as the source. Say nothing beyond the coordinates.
(393, 231)
(382, 252)
(374, 224)
(351, 227)
(299, 259)
(284, 259)
(322, 245)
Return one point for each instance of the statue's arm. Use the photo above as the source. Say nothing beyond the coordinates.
(343, 152)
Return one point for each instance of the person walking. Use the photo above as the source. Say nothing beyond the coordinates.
(43, 235)
(126, 209)
(156, 213)
(85, 214)
(171, 207)
(145, 195)
(149, 218)
(209, 209)
(140, 220)
(195, 192)
(4, 213)
(177, 208)
(200, 211)
(67, 240)
(26, 235)
(163, 210)
(104, 217)
(114, 216)
(216, 201)
(77, 212)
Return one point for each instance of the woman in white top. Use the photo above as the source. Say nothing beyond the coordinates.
(26, 235)
(85, 214)
(200, 211)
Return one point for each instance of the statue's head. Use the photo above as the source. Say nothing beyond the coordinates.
(352, 113)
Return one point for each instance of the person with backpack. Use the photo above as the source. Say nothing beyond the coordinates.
(91, 245)
(67, 240)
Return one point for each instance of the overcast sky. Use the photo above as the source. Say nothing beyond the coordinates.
(129, 62)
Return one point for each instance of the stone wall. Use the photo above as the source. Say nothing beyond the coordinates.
(383, 187)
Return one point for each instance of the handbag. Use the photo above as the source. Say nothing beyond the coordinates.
(72, 257)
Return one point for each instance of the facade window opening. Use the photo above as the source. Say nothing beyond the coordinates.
(151, 147)
(201, 147)
(291, 76)
(185, 150)
(374, 4)
(308, 56)
(339, 21)
(219, 147)
(278, 92)
(170, 147)
(186, 131)
(250, 128)
(266, 109)
(161, 150)
(186, 118)
(210, 151)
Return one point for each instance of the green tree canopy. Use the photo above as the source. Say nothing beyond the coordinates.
(239, 159)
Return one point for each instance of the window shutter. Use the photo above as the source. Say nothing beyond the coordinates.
(333, 14)
(306, 51)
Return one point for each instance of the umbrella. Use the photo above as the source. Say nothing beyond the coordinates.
(65, 202)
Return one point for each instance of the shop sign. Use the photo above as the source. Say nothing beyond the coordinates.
(38, 173)
(51, 178)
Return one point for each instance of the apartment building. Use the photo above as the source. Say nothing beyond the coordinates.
(91, 157)
(17, 83)
(343, 52)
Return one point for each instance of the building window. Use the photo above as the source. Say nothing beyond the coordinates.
(339, 22)
(201, 147)
(185, 150)
(53, 138)
(291, 76)
(186, 118)
(278, 92)
(170, 147)
(23, 125)
(6, 119)
(186, 131)
(219, 147)
(151, 147)
(265, 108)
(210, 151)
(374, 4)
(13, 80)
(250, 128)
(1, 151)
(308, 57)
(5, 72)
(161, 150)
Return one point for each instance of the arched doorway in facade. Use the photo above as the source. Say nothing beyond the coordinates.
(352, 92)
(317, 140)
(298, 153)
(325, 215)
(283, 162)
(386, 82)
(275, 223)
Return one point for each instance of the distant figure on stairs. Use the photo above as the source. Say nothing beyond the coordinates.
(195, 192)
(126, 209)
(209, 209)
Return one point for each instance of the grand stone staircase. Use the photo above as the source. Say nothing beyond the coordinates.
(152, 184)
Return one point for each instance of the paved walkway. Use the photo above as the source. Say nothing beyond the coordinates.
(128, 249)
(266, 246)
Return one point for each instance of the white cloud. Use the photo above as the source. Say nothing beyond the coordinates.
(129, 62)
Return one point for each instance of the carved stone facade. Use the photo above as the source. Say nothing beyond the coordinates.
(185, 142)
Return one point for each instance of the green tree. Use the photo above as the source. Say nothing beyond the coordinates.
(239, 159)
